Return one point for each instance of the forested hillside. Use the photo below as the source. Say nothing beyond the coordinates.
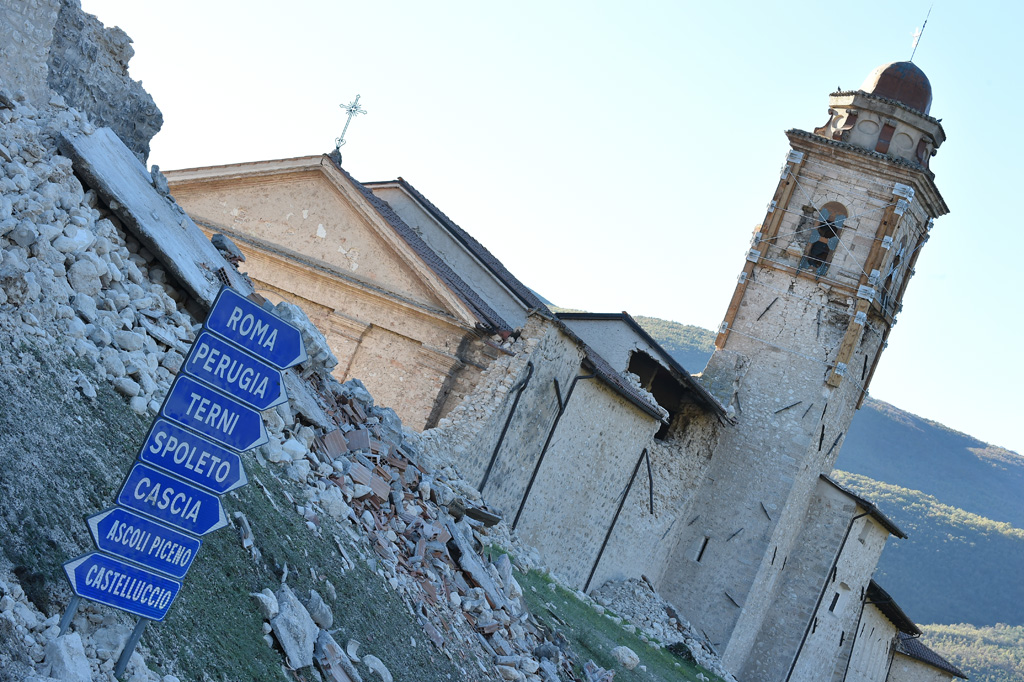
(956, 567)
(988, 654)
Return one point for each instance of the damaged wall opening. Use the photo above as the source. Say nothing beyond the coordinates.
(667, 390)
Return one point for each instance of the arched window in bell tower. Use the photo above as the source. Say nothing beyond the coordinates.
(822, 233)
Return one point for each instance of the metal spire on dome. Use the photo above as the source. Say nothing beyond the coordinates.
(353, 109)
(918, 33)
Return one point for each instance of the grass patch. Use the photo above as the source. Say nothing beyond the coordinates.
(592, 636)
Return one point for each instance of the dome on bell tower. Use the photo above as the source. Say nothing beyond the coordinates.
(903, 82)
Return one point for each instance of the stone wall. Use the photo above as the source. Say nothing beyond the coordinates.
(88, 65)
(834, 622)
(587, 466)
(470, 432)
(906, 669)
(585, 471)
(26, 31)
(642, 541)
(872, 649)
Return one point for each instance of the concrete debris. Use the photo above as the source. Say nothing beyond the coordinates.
(319, 611)
(642, 608)
(595, 673)
(294, 629)
(333, 663)
(268, 603)
(66, 657)
(377, 666)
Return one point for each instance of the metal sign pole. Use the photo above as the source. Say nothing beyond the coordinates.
(129, 647)
(69, 613)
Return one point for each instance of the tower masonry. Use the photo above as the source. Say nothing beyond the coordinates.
(818, 295)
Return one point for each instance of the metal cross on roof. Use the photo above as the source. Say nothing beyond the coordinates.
(353, 109)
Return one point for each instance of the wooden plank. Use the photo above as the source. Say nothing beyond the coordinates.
(850, 341)
(783, 194)
(769, 230)
(106, 165)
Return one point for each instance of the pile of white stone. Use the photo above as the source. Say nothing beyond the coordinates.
(408, 522)
(643, 610)
(88, 654)
(68, 273)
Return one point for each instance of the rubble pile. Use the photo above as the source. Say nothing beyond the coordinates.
(31, 650)
(423, 529)
(69, 275)
(636, 601)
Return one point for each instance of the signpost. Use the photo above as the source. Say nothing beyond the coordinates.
(124, 586)
(171, 501)
(127, 535)
(193, 458)
(213, 415)
(233, 371)
(258, 331)
(189, 458)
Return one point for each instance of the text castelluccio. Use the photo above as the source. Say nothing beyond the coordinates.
(118, 584)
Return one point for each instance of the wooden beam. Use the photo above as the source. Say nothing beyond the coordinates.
(850, 341)
(769, 229)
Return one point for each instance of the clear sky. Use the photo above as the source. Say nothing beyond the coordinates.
(616, 156)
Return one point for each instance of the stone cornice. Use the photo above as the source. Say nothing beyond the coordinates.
(898, 170)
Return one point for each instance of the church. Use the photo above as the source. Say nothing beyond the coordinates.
(599, 448)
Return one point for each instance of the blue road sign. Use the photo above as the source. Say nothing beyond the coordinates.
(213, 415)
(129, 536)
(192, 458)
(258, 331)
(174, 502)
(114, 583)
(235, 372)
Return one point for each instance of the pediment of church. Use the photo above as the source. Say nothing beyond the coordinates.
(310, 208)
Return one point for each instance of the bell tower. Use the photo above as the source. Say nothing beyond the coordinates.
(818, 295)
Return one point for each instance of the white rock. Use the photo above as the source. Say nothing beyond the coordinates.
(319, 611)
(66, 657)
(127, 387)
(268, 603)
(294, 449)
(626, 657)
(84, 277)
(333, 502)
(509, 673)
